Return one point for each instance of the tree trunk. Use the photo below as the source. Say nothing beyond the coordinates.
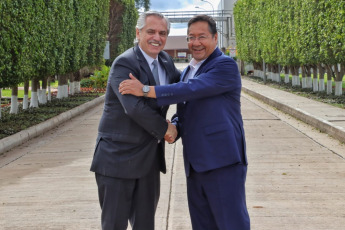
(60, 87)
(255, 71)
(39, 92)
(304, 78)
(77, 79)
(242, 67)
(274, 73)
(321, 77)
(329, 79)
(297, 81)
(338, 90)
(278, 74)
(0, 101)
(339, 73)
(258, 70)
(49, 89)
(43, 94)
(309, 78)
(287, 75)
(26, 95)
(315, 79)
(63, 87)
(71, 83)
(34, 93)
(14, 100)
(293, 78)
(264, 72)
(269, 70)
(342, 73)
(115, 26)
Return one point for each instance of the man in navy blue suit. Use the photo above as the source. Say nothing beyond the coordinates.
(209, 121)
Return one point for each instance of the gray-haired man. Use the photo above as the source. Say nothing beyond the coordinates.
(129, 150)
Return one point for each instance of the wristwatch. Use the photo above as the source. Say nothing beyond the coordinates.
(146, 90)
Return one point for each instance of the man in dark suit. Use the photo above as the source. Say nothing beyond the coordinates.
(129, 149)
(210, 123)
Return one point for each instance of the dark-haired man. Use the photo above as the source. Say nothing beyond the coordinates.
(210, 123)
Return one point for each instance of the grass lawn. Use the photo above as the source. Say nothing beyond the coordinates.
(338, 101)
(282, 76)
(13, 123)
(8, 92)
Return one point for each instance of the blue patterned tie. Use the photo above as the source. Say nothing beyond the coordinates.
(155, 71)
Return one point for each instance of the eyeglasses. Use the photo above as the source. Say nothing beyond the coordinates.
(200, 38)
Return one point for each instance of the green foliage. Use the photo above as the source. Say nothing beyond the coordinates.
(99, 27)
(123, 18)
(142, 4)
(14, 42)
(332, 30)
(100, 77)
(129, 20)
(290, 32)
(42, 38)
(98, 80)
(86, 83)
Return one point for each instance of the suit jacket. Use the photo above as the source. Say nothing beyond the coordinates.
(209, 114)
(131, 127)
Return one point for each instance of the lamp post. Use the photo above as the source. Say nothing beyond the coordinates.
(198, 7)
(210, 4)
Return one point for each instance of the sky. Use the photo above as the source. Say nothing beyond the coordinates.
(182, 5)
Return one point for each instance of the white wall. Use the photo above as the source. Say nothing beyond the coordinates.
(224, 41)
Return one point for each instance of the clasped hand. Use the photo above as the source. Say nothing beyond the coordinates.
(171, 133)
(134, 86)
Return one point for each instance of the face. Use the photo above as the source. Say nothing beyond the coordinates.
(204, 47)
(152, 37)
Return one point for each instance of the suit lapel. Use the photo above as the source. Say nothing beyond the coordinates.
(144, 65)
(215, 54)
(184, 73)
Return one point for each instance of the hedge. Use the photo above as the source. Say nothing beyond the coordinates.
(293, 34)
(41, 38)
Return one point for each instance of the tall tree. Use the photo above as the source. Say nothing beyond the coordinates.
(121, 34)
(142, 4)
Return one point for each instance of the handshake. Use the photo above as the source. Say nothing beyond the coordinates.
(171, 133)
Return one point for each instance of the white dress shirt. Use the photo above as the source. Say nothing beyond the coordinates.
(193, 68)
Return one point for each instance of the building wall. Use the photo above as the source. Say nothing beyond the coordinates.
(176, 45)
(228, 42)
(174, 54)
(227, 4)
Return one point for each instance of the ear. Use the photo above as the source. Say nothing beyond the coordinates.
(137, 31)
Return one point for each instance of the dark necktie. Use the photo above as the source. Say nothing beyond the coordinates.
(155, 71)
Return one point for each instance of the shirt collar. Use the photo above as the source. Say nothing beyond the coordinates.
(147, 57)
(194, 64)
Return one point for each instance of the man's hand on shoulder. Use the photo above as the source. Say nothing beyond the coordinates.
(135, 87)
(131, 86)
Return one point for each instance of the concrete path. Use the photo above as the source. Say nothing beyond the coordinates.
(326, 118)
(295, 176)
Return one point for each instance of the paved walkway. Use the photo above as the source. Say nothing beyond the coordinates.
(295, 177)
(326, 118)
